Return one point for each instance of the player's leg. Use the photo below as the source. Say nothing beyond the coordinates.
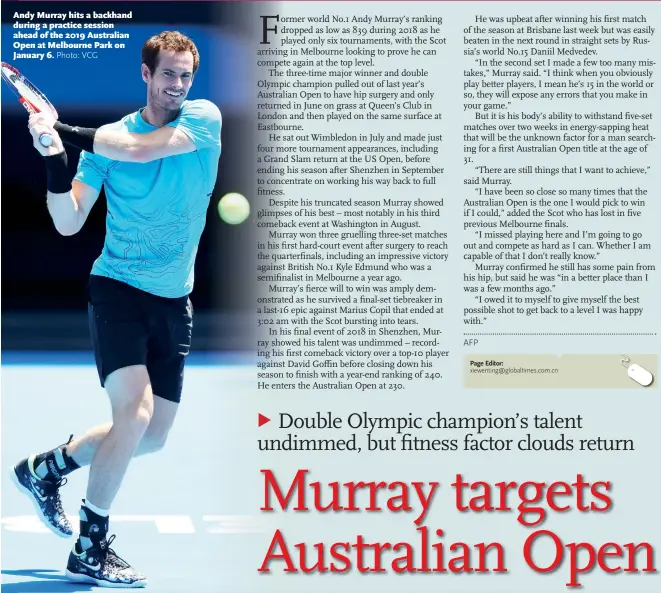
(120, 331)
(169, 323)
(132, 402)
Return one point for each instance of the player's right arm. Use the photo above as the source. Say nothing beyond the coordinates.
(69, 202)
(69, 210)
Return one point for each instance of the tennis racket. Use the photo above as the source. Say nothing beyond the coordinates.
(29, 96)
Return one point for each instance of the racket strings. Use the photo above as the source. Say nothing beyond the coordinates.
(31, 97)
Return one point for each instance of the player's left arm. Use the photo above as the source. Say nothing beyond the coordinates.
(197, 127)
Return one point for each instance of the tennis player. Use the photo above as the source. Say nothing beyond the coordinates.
(158, 167)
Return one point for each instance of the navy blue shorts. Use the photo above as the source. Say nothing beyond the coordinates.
(130, 327)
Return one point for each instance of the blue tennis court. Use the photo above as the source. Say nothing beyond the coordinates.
(179, 518)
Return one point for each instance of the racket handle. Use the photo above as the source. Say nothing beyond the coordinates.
(46, 139)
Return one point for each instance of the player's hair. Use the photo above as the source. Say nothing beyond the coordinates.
(169, 41)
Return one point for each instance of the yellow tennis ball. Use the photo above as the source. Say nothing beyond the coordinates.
(233, 208)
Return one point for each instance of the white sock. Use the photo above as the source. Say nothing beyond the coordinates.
(95, 509)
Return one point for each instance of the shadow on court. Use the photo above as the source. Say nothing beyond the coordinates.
(182, 516)
(40, 581)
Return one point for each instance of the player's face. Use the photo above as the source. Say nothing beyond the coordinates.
(171, 80)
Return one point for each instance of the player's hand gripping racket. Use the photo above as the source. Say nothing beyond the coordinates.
(30, 97)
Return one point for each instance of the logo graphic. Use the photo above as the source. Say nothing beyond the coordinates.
(53, 469)
(92, 567)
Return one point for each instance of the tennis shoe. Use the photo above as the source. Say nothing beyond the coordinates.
(45, 496)
(101, 566)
